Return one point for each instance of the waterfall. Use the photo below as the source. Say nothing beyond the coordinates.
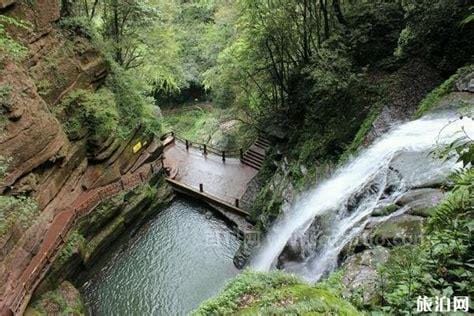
(367, 175)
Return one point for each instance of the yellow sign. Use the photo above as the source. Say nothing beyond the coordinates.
(137, 147)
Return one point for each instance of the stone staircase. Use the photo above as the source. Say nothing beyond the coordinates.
(255, 155)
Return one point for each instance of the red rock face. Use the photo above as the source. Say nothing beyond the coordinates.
(45, 164)
(33, 136)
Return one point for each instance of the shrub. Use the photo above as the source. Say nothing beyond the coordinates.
(96, 112)
(79, 25)
(434, 31)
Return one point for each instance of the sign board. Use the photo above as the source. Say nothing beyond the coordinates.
(137, 147)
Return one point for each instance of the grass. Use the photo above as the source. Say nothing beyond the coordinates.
(276, 293)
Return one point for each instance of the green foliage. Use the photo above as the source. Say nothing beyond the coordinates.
(375, 26)
(5, 104)
(134, 107)
(204, 123)
(433, 98)
(8, 45)
(434, 31)
(274, 293)
(93, 113)
(442, 264)
(79, 25)
(16, 211)
(74, 242)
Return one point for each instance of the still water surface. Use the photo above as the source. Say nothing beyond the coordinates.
(180, 258)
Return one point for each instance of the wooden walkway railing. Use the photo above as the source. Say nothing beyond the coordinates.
(205, 149)
(62, 224)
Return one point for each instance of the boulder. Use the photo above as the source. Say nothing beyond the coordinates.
(360, 274)
(420, 201)
(466, 83)
(396, 231)
(421, 170)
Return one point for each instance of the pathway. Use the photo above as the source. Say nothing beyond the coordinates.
(212, 175)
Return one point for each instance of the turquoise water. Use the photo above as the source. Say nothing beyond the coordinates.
(173, 263)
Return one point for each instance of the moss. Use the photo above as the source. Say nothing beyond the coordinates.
(16, 211)
(432, 99)
(275, 293)
(65, 300)
(75, 241)
(92, 112)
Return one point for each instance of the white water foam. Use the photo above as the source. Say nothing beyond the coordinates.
(369, 166)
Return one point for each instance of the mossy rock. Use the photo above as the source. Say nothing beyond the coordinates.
(385, 210)
(65, 300)
(275, 293)
(399, 230)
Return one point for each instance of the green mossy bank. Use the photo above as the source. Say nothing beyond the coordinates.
(276, 293)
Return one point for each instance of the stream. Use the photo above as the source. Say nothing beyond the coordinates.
(177, 260)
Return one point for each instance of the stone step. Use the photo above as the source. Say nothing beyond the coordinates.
(253, 161)
(260, 145)
(251, 164)
(257, 158)
(257, 151)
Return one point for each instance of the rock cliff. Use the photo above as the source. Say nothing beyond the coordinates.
(43, 163)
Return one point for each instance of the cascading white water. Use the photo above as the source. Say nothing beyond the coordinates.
(369, 167)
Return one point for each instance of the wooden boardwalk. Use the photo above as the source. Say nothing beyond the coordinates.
(210, 175)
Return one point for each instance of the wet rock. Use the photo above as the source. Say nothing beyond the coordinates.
(420, 169)
(384, 210)
(420, 201)
(293, 251)
(360, 274)
(409, 85)
(396, 231)
(466, 83)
